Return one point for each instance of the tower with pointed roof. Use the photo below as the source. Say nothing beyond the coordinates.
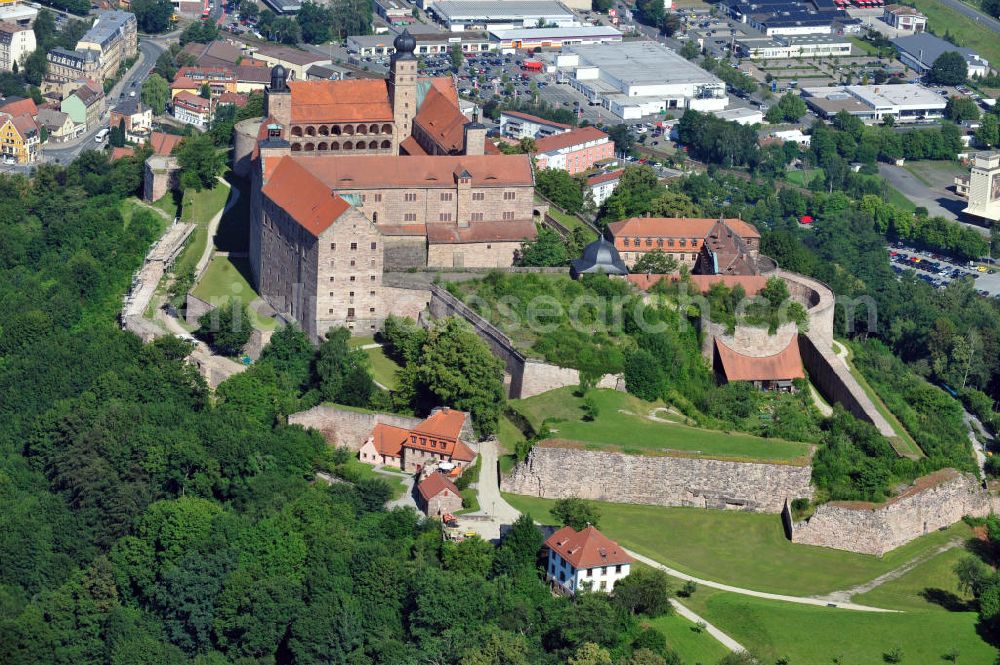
(403, 85)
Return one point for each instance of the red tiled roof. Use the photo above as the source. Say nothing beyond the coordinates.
(752, 284)
(570, 139)
(442, 121)
(122, 152)
(676, 227)
(184, 83)
(462, 452)
(234, 98)
(193, 102)
(450, 234)
(444, 423)
(386, 171)
(252, 74)
(604, 177)
(536, 119)
(25, 125)
(434, 484)
(207, 73)
(164, 144)
(20, 107)
(389, 440)
(299, 193)
(782, 366)
(411, 147)
(354, 100)
(403, 229)
(588, 548)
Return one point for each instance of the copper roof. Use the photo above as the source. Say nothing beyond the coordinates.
(434, 484)
(569, 139)
(452, 234)
(676, 227)
(588, 548)
(354, 100)
(388, 171)
(389, 440)
(300, 194)
(782, 366)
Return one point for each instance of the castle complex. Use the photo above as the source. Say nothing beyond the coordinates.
(353, 177)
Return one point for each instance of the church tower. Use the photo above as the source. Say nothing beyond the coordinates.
(403, 86)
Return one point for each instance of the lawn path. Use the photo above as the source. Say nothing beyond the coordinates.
(213, 226)
(694, 618)
(801, 600)
(845, 595)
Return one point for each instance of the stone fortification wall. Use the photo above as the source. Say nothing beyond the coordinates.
(748, 340)
(538, 377)
(818, 300)
(403, 252)
(933, 502)
(244, 140)
(554, 472)
(341, 427)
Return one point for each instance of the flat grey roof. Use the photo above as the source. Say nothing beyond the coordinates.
(557, 33)
(498, 9)
(641, 63)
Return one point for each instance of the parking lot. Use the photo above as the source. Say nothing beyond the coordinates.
(939, 271)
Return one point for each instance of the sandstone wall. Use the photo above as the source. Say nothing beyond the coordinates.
(244, 139)
(341, 427)
(404, 252)
(748, 340)
(935, 501)
(538, 377)
(554, 472)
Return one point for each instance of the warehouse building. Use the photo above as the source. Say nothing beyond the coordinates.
(440, 42)
(793, 17)
(871, 103)
(919, 51)
(793, 46)
(464, 15)
(529, 38)
(636, 79)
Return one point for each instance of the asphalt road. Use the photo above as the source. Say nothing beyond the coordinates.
(149, 52)
(973, 13)
(938, 202)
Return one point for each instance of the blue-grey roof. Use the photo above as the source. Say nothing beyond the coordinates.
(599, 256)
(927, 48)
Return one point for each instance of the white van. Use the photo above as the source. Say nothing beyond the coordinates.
(101, 135)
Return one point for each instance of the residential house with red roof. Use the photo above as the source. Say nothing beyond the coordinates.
(585, 560)
(575, 151)
(192, 109)
(602, 185)
(438, 496)
(19, 139)
(706, 246)
(435, 442)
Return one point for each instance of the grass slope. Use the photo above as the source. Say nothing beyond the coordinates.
(693, 646)
(932, 585)
(748, 550)
(813, 635)
(199, 208)
(967, 32)
(621, 424)
(227, 279)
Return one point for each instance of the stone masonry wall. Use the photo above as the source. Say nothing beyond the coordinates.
(556, 472)
(341, 427)
(935, 501)
(538, 377)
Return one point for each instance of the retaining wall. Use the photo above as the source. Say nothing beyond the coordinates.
(933, 502)
(342, 427)
(553, 471)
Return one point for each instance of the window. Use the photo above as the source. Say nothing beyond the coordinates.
(351, 294)
(350, 312)
(649, 242)
(604, 570)
(353, 262)
(410, 197)
(509, 196)
(659, 242)
(371, 310)
(508, 215)
(333, 245)
(371, 293)
(378, 198)
(410, 217)
(352, 278)
(331, 278)
(374, 245)
(444, 217)
(371, 278)
(331, 294)
(446, 196)
(618, 569)
(330, 311)
(590, 572)
(354, 245)
(478, 196)
(670, 243)
(477, 216)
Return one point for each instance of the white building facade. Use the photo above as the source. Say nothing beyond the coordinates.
(587, 560)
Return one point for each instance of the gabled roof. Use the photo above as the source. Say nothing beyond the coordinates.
(389, 440)
(164, 144)
(602, 178)
(434, 484)
(253, 74)
(193, 102)
(19, 106)
(677, 227)
(588, 548)
(782, 366)
(353, 100)
(122, 152)
(306, 199)
(387, 171)
(442, 121)
(445, 423)
(449, 233)
(535, 119)
(569, 139)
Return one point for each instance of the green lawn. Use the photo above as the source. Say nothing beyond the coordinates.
(810, 635)
(932, 585)
(865, 47)
(355, 342)
(743, 549)
(966, 31)
(693, 646)
(169, 204)
(383, 368)
(621, 424)
(225, 279)
(233, 234)
(199, 208)
(570, 222)
(935, 173)
(803, 178)
(362, 471)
